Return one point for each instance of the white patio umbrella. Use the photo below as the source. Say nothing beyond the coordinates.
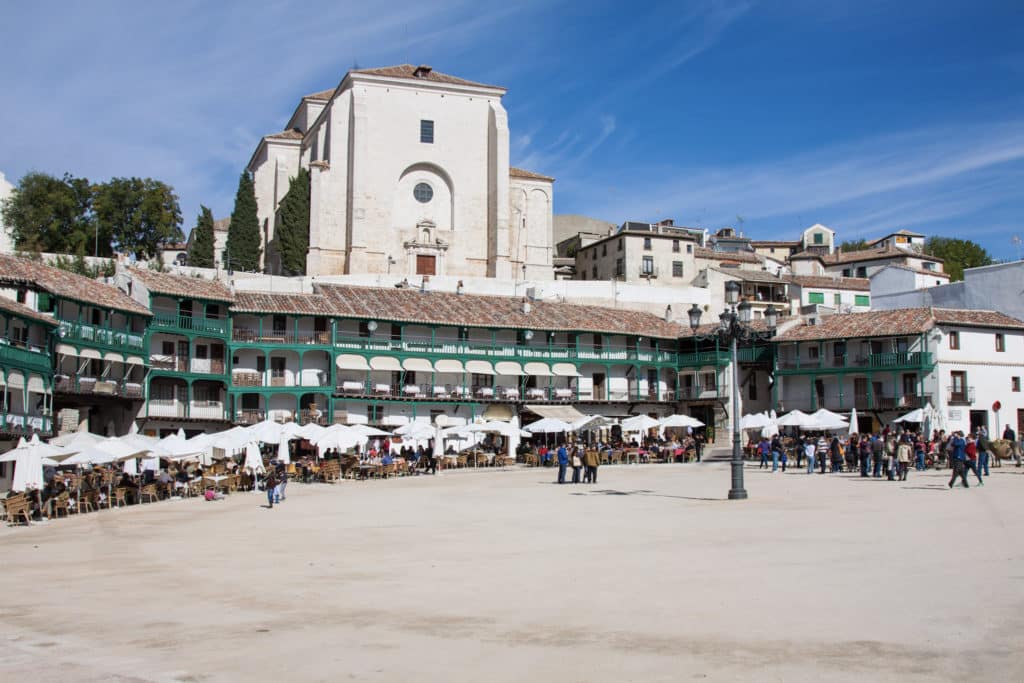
(253, 460)
(28, 469)
(639, 423)
(913, 416)
(514, 436)
(680, 421)
(43, 450)
(548, 425)
(369, 431)
(339, 440)
(853, 422)
(755, 421)
(828, 417)
(267, 431)
(312, 430)
(72, 439)
(588, 422)
(795, 418)
(416, 431)
(496, 427)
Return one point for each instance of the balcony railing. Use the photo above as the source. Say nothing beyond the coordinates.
(510, 351)
(27, 357)
(65, 384)
(249, 417)
(453, 392)
(217, 327)
(202, 410)
(248, 335)
(704, 358)
(882, 361)
(960, 396)
(100, 336)
(23, 425)
(207, 366)
(699, 393)
(253, 378)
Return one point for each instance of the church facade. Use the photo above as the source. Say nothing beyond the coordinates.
(410, 175)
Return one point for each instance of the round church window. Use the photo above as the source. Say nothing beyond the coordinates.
(423, 192)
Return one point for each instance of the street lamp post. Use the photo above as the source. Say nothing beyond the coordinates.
(735, 326)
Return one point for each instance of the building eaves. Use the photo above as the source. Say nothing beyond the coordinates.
(61, 283)
(180, 286)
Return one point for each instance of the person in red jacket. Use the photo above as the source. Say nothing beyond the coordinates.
(972, 458)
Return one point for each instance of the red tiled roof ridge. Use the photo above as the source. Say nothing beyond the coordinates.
(181, 285)
(523, 173)
(67, 285)
(408, 71)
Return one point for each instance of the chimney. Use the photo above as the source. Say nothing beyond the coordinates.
(422, 71)
(668, 313)
(526, 306)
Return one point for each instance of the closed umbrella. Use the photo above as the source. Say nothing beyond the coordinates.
(853, 422)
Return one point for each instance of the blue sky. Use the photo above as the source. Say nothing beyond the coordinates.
(866, 116)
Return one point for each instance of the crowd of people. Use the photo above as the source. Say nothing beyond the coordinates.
(890, 453)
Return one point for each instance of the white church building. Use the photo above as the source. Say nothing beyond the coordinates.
(409, 175)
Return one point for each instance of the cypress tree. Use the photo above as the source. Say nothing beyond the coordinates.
(293, 225)
(244, 246)
(200, 252)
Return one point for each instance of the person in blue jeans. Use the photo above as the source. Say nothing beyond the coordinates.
(563, 462)
(763, 447)
(776, 453)
(958, 459)
(270, 483)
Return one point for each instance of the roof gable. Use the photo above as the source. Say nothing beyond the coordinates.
(71, 286)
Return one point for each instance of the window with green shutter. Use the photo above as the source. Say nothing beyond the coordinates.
(44, 303)
(862, 300)
(837, 299)
(815, 297)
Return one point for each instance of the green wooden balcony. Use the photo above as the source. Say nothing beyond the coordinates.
(187, 324)
(25, 425)
(503, 351)
(25, 358)
(703, 358)
(101, 337)
(906, 360)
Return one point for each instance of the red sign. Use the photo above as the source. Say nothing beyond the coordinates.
(996, 406)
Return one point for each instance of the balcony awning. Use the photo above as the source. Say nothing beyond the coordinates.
(479, 367)
(90, 353)
(538, 369)
(449, 366)
(385, 363)
(35, 384)
(418, 365)
(498, 411)
(113, 357)
(508, 368)
(66, 350)
(565, 370)
(350, 361)
(134, 360)
(15, 380)
(564, 413)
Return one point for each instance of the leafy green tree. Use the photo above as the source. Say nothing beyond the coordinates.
(957, 254)
(243, 244)
(293, 225)
(139, 214)
(853, 245)
(200, 252)
(50, 214)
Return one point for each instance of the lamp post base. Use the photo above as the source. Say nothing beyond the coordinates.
(737, 494)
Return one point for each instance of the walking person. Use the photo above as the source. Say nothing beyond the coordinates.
(809, 448)
(270, 484)
(577, 465)
(822, 452)
(983, 455)
(563, 463)
(877, 451)
(698, 447)
(763, 447)
(971, 450)
(957, 459)
(903, 459)
(888, 458)
(776, 453)
(282, 482)
(590, 463)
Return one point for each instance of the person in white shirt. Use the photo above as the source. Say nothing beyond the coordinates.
(809, 448)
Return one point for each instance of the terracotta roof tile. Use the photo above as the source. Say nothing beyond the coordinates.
(178, 285)
(286, 135)
(408, 71)
(521, 173)
(293, 304)
(14, 308)
(222, 224)
(447, 308)
(900, 322)
(859, 284)
(752, 275)
(61, 283)
(728, 256)
(971, 318)
(322, 95)
(874, 254)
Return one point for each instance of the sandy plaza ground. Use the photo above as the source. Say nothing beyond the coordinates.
(649, 575)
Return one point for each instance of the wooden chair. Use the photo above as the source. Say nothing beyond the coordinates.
(18, 507)
(88, 501)
(148, 491)
(461, 461)
(195, 487)
(60, 504)
(120, 496)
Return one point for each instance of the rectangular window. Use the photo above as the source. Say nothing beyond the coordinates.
(928, 265)
(620, 269)
(598, 343)
(815, 297)
(374, 414)
(604, 249)
(167, 348)
(647, 244)
(837, 299)
(593, 272)
(954, 340)
(212, 311)
(1015, 384)
(819, 238)
(838, 351)
(619, 248)
(202, 351)
(647, 267)
(677, 269)
(752, 387)
(593, 254)
(1000, 342)
(261, 364)
(862, 271)
(22, 293)
(427, 131)
(279, 325)
(675, 246)
(862, 300)
(812, 352)
(689, 248)
(847, 272)
(483, 380)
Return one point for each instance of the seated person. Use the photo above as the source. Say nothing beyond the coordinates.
(387, 459)
(450, 450)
